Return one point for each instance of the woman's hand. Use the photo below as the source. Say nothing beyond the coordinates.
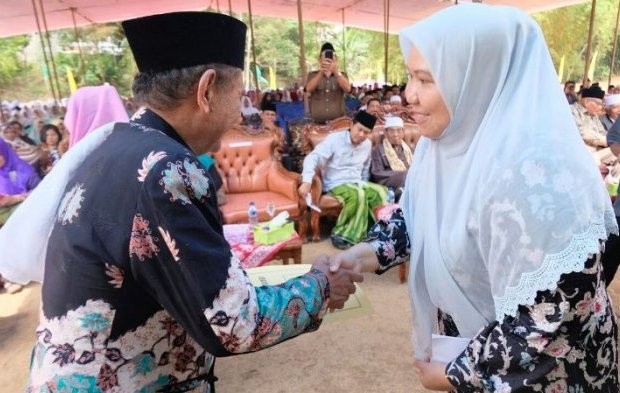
(433, 375)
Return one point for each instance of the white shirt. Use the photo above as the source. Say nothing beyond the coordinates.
(340, 161)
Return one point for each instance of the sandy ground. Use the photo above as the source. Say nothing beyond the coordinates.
(370, 353)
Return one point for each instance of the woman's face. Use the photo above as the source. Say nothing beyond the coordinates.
(427, 106)
(51, 138)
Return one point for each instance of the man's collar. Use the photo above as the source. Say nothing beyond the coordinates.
(147, 118)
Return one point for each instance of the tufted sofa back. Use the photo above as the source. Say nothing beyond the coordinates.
(244, 161)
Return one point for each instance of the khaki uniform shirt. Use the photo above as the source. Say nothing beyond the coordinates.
(327, 101)
(590, 127)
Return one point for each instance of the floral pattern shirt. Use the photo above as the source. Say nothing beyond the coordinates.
(141, 290)
(566, 342)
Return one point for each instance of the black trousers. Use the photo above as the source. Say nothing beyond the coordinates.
(611, 257)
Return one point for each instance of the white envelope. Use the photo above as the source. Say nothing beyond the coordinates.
(446, 348)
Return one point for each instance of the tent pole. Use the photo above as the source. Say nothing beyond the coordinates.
(254, 69)
(302, 44)
(344, 44)
(49, 45)
(49, 76)
(229, 8)
(77, 38)
(386, 37)
(589, 47)
(615, 47)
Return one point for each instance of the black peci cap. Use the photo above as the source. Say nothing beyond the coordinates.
(365, 119)
(185, 39)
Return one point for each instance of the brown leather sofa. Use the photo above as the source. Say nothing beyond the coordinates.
(250, 171)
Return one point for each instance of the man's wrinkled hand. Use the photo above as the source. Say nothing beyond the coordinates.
(341, 282)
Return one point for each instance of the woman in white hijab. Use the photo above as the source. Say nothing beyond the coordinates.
(505, 212)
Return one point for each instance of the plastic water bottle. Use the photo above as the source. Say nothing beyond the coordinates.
(252, 214)
(391, 197)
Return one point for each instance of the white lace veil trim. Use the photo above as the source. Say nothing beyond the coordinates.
(581, 247)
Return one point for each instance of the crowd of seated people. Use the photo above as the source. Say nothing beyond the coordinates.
(34, 138)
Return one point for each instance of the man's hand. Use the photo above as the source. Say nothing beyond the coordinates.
(432, 375)
(341, 283)
(304, 189)
(326, 67)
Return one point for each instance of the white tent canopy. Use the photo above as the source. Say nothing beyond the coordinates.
(18, 16)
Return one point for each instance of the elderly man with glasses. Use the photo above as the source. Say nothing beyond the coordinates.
(586, 113)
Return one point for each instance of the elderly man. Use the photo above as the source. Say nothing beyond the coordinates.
(343, 160)
(327, 87)
(586, 113)
(612, 110)
(141, 290)
(391, 159)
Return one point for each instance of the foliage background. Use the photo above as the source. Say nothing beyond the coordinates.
(277, 48)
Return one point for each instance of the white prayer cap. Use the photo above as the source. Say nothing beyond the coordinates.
(396, 99)
(393, 121)
(611, 100)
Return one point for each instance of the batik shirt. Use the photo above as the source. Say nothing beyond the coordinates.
(590, 127)
(566, 342)
(141, 289)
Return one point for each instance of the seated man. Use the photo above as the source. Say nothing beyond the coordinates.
(586, 113)
(344, 161)
(612, 110)
(391, 159)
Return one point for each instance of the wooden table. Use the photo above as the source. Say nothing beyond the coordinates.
(291, 251)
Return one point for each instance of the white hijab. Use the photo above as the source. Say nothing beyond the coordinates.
(508, 198)
(247, 109)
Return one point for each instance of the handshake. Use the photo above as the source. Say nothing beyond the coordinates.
(345, 269)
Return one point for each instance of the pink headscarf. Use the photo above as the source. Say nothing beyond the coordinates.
(91, 107)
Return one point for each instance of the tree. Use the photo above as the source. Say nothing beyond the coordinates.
(11, 62)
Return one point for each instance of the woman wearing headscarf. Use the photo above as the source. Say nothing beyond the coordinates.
(91, 114)
(91, 107)
(503, 216)
(17, 179)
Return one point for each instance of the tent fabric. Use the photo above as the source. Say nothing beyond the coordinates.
(18, 17)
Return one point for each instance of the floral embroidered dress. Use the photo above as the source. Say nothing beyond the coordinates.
(141, 290)
(565, 342)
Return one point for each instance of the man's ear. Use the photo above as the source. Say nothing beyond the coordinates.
(206, 90)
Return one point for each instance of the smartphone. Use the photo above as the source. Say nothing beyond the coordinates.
(329, 54)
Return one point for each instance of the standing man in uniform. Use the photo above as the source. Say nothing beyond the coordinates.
(327, 87)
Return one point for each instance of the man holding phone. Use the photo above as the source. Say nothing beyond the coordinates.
(327, 87)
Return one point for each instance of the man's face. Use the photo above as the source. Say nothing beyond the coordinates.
(359, 133)
(613, 111)
(593, 105)
(269, 117)
(220, 117)
(569, 88)
(395, 135)
(374, 107)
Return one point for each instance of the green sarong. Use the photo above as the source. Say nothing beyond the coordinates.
(358, 203)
